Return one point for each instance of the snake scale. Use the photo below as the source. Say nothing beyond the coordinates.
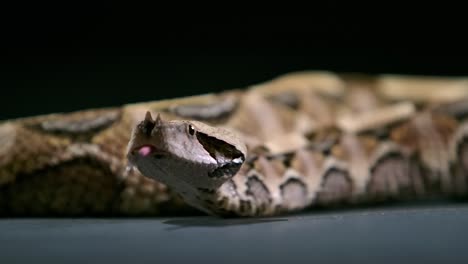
(301, 140)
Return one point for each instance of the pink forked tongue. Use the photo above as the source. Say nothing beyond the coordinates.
(145, 150)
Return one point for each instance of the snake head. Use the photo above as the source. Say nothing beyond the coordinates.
(184, 154)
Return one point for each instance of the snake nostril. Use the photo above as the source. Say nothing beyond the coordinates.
(148, 124)
(148, 127)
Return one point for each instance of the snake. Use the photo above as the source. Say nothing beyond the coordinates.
(302, 140)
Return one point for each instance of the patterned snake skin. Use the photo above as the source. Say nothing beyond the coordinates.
(313, 139)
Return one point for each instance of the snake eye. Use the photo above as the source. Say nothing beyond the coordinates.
(191, 130)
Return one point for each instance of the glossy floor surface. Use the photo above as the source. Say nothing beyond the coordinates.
(414, 234)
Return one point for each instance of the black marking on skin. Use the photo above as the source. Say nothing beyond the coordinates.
(217, 110)
(323, 148)
(289, 99)
(222, 203)
(259, 192)
(219, 149)
(245, 206)
(392, 154)
(255, 153)
(146, 126)
(85, 124)
(191, 130)
(288, 158)
(220, 209)
(324, 140)
(229, 158)
(381, 133)
(285, 158)
(227, 169)
(326, 151)
(334, 169)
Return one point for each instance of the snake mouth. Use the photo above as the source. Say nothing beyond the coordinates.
(148, 150)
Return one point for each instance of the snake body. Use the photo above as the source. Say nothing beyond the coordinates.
(308, 139)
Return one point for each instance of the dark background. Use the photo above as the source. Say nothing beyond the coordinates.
(65, 57)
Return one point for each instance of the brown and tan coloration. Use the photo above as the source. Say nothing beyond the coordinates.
(312, 139)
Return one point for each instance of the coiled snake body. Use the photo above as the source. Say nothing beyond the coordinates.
(309, 139)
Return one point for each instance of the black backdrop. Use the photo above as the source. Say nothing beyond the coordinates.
(65, 57)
